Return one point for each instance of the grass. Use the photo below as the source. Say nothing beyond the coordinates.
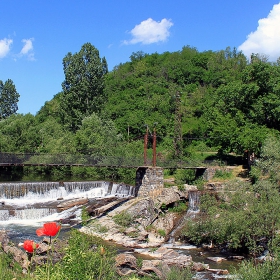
(123, 219)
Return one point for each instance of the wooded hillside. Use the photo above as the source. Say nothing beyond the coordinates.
(197, 101)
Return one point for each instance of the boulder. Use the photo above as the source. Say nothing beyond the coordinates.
(165, 222)
(216, 259)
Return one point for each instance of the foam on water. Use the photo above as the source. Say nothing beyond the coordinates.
(36, 219)
(53, 195)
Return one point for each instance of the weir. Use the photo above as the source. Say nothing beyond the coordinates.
(55, 190)
(38, 200)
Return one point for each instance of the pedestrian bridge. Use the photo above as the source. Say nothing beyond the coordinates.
(39, 159)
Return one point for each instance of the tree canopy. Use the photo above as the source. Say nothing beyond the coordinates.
(9, 98)
(83, 85)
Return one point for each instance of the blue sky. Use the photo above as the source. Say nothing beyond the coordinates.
(36, 35)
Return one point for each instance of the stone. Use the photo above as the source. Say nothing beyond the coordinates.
(198, 266)
(218, 271)
(126, 264)
(216, 259)
(165, 222)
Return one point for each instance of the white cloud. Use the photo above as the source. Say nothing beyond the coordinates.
(150, 31)
(266, 39)
(27, 49)
(5, 46)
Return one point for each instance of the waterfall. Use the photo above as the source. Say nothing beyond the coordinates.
(194, 199)
(30, 201)
(26, 214)
(193, 209)
(45, 191)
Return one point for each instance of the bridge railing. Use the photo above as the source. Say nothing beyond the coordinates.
(93, 160)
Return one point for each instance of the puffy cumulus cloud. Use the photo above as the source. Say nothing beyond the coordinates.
(5, 45)
(27, 49)
(266, 39)
(150, 31)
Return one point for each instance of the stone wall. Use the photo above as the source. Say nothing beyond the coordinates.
(149, 181)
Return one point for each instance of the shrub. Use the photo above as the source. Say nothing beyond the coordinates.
(161, 232)
(223, 174)
(84, 258)
(123, 219)
(179, 207)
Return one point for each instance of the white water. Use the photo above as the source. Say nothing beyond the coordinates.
(33, 203)
(193, 209)
(53, 195)
(38, 216)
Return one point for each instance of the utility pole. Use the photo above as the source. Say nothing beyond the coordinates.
(178, 141)
(146, 145)
(154, 146)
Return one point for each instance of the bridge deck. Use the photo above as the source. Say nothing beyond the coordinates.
(35, 159)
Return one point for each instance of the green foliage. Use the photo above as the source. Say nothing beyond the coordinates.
(223, 174)
(184, 176)
(177, 273)
(84, 258)
(8, 268)
(84, 216)
(9, 98)
(179, 207)
(246, 216)
(269, 269)
(83, 85)
(161, 232)
(202, 102)
(123, 219)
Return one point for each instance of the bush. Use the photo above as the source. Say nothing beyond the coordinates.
(161, 232)
(223, 174)
(179, 207)
(84, 258)
(123, 219)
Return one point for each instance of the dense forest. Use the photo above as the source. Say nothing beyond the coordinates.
(200, 103)
(197, 102)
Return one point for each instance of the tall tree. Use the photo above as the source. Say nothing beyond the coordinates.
(8, 99)
(83, 85)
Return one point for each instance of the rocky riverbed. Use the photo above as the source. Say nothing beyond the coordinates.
(142, 226)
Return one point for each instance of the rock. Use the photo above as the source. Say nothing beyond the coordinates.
(148, 267)
(169, 195)
(144, 210)
(166, 222)
(218, 271)
(236, 257)
(199, 266)
(71, 203)
(4, 240)
(126, 264)
(19, 256)
(143, 236)
(216, 259)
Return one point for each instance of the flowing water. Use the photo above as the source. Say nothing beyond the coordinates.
(193, 209)
(25, 206)
(198, 254)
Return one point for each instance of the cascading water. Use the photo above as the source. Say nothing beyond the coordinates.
(193, 209)
(35, 201)
(194, 200)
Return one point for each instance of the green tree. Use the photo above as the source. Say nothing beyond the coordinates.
(83, 85)
(8, 99)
